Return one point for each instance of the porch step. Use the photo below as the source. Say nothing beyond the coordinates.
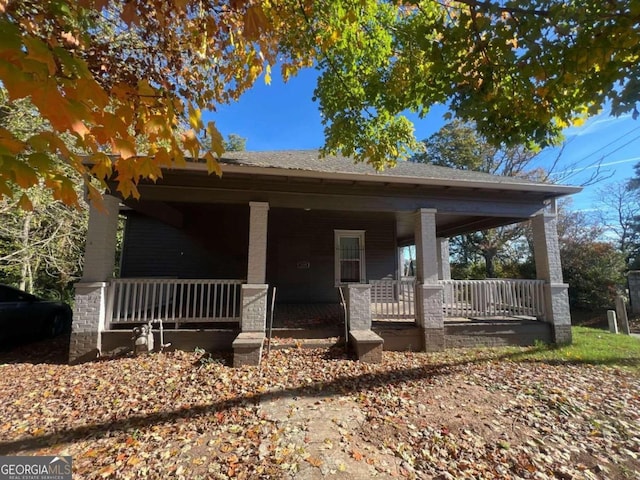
(281, 343)
(307, 333)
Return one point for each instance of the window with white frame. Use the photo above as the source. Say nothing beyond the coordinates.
(349, 267)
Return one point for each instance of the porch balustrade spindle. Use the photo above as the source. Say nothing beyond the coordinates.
(392, 299)
(494, 298)
(175, 301)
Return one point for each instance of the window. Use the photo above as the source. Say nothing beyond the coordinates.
(349, 266)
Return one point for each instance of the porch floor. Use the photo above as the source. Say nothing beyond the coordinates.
(307, 315)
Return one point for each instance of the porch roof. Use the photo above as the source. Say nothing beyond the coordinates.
(307, 163)
(465, 200)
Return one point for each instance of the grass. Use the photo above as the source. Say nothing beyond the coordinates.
(590, 346)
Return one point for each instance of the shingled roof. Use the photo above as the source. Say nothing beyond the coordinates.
(278, 162)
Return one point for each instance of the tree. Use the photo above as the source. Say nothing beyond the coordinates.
(235, 143)
(594, 269)
(594, 272)
(459, 145)
(634, 247)
(108, 72)
(40, 246)
(621, 206)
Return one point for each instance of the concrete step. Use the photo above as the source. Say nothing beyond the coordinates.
(307, 333)
(281, 343)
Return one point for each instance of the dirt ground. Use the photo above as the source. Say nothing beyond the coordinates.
(315, 414)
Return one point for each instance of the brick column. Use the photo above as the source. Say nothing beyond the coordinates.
(633, 280)
(429, 314)
(257, 260)
(247, 347)
(367, 344)
(90, 297)
(549, 269)
(444, 267)
(254, 307)
(359, 306)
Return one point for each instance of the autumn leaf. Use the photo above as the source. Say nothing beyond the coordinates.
(213, 166)
(96, 198)
(130, 13)
(23, 174)
(195, 118)
(162, 157)
(18, 84)
(25, 204)
(123, 148)
(255, 22)
(8, 143)
(315, 461)
(39, 51)
(63, 190)
(102, 166)
(217, 142)
(147, 93)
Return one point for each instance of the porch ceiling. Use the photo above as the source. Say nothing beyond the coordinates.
(347, 195)
(450, 225)
(469, 203)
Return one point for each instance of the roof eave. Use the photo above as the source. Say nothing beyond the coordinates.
(555, 190)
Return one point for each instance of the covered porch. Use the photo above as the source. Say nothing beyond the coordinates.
(209, 252)
(475, 313)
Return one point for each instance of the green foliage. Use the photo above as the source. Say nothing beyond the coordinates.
(235, 143)
(106, 73)
(459, 145)
(594, 272)
(468, 271)
(632, 219)
(590, 346)
(522, 72)
(41, 244)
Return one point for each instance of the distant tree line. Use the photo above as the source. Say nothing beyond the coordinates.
(596, 251)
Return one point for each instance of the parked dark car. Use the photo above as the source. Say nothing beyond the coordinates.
(25, 315)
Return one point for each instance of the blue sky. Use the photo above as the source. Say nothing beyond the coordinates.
(283, 117)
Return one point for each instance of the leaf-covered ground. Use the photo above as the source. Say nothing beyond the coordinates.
(319, 414)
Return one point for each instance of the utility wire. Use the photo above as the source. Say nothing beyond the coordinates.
(609, 144)
(597, 162)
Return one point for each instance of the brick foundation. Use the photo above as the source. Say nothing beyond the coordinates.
(562, 334)
(433, 339)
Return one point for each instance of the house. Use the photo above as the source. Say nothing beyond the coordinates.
(200, 253)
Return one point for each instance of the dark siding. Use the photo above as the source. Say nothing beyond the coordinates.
(297, 236)
(212, 244)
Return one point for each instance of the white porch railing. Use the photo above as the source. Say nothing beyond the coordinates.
(393, 298)
(492, 298)
(137, 300)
